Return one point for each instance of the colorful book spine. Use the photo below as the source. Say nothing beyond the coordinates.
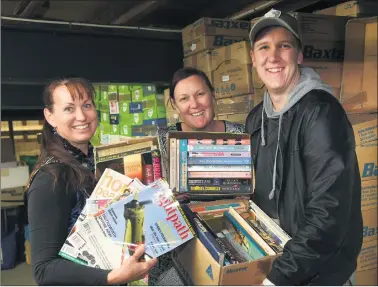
(219, 154)
(218, 161)
(156, 163)
(219, 168)
(219, 141)
(220, 189)
(183, 165)
(172, 163)
(219, 174)
(220, 148)
(218, 181)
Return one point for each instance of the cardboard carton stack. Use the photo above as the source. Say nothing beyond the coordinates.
(127, 111)
(359, 98)
(323, 41)
(360, 8)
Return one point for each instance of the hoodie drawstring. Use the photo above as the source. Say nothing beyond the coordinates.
(262, 127)
(272, 192)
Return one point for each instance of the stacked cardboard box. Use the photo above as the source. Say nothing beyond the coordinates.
(359, 79)
(128, 111)
(352, 9)
(323, 41)
(366, 136)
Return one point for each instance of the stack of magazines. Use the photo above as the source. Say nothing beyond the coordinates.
(121, 214)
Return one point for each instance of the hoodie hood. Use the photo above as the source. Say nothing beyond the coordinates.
(309, 80)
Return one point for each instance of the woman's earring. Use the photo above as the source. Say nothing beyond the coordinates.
(54, 130)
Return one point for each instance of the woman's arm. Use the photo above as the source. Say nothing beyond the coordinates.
(49, 211)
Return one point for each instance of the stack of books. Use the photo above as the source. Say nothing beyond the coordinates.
(210, 164)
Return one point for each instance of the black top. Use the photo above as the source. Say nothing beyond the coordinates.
(50, 211)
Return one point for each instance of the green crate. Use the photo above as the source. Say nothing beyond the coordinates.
(114, 130)
(105, 128)
(137, 119)
(154, 113)
(125, 130)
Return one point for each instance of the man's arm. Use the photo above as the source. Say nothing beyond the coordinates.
(331, 173)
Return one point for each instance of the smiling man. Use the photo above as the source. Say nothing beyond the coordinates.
(303, 148)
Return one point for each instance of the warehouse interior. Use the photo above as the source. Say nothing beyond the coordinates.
(142, 43)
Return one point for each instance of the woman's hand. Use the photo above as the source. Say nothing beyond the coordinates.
(131, 269)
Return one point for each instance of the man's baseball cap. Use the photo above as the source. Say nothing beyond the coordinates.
(274, 18)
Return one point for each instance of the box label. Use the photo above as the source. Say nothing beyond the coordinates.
(209, 272)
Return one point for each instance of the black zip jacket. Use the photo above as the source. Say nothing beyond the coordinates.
(319, 191)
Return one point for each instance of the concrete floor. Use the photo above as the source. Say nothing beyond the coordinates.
(21, 275)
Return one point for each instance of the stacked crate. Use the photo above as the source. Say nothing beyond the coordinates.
(127, 111)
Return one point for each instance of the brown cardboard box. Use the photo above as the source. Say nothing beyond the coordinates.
(202, 269)
(369, 193)
(352, 9)
(359, 80)
(367, 259)
(369, 218)
(234, 118)
(201, 61)
(209, 42)
(367, 161)
(238, 51)
(316, 50)
(232, 79)
(238, 104)
(329, 72)
(215, 26)
(367, 278)
(365, 128)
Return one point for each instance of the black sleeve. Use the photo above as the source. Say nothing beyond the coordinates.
(330, 169)
(49, 210)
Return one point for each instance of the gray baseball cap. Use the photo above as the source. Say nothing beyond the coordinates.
(275, 18)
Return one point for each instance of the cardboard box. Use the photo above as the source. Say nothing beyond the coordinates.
(11, 197)
(139, 92)
(367, 161)
(105, 128)
(202, 269)
(103, 107)
(114, 130)
(105, 117)
(114, 119)
(125, 118)
(238, 104)
(135, 107)
(329, 72)
(12, 177)
(154, 113)
(125, 130)
(104, 94)
(367, 259)
(235, 118)
(367, 278)
(124, 108)
(154, 101)
(238, 52)
(369, 194)
(365, 128)
(352, 9)
(209, 42)
(162, 122)
(232, 79)
(317, 50)
(200, 61)
(370, 229)
(215, 26)
(137, 119)
(172, 117)
(359, 80)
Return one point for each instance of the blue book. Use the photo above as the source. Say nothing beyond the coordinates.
(183, 177)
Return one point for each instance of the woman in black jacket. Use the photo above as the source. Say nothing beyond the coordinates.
(60, 183)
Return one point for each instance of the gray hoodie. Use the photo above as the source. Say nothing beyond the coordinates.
(309, 80)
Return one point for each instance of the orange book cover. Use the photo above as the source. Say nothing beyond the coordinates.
(133, 166)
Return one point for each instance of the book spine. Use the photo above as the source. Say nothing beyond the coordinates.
(178, 166)
(229, 249)
(220, 189)
(218, 181)
(215, 208)
(223, 148)
(219, 154)
(183, 165)
(219, 141)
(219, 160)
(238, 248)
(219, 168)
(156, 162)
(219, 174)
(123, 154)
(172, 162)
(205, 236)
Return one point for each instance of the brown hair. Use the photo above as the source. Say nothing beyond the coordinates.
(75, 174)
